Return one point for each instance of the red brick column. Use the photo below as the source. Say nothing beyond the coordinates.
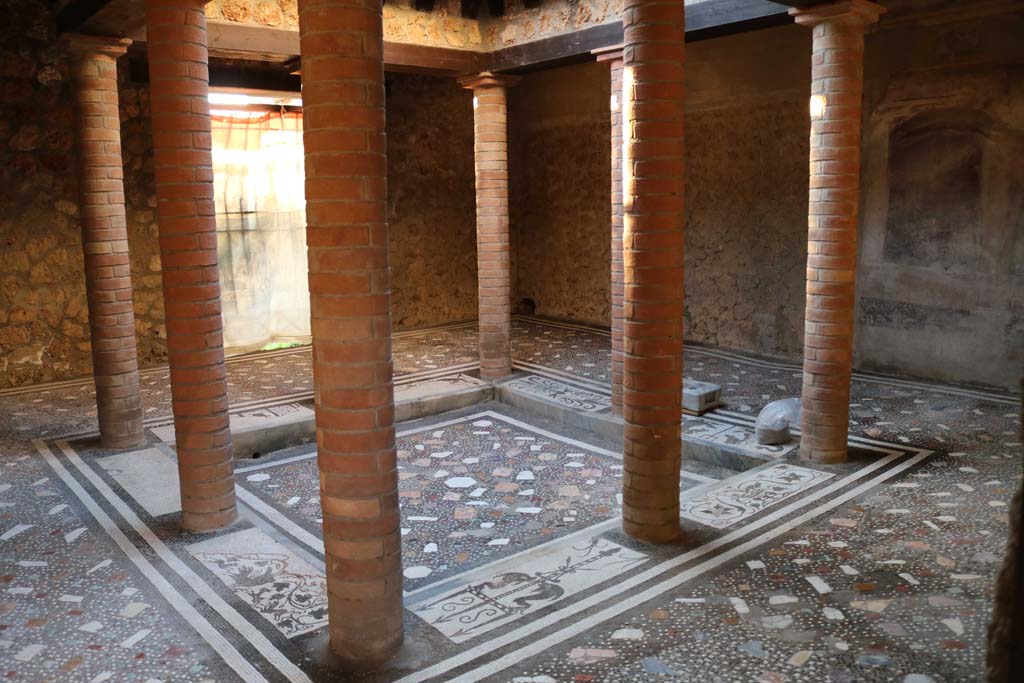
(494, 272)
(108, 282)
(179, 91)
(613, 56)
(350, 296)
(836, 87)
(653, 223)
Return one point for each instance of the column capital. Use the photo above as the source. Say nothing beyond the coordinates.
(863, 12)
(81, 44)
(487, 79)
(609, 53)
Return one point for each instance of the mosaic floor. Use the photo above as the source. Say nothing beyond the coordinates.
(877, 570)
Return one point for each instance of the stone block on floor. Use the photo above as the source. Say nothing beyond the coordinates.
(700, 397)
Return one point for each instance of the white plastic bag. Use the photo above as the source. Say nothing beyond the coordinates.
(772, 426)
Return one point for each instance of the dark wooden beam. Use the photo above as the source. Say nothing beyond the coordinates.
(257, 43)
(439, 61)
(237, 76)
(725, 17)
(77, 12)
(496, 7)
(703, 20)
(248, 76)
(242, 38)
(557, 50)
(233, 39)
(469, 9)
(424, 5)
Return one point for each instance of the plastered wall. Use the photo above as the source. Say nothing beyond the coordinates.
(941, 270)
(941, 253)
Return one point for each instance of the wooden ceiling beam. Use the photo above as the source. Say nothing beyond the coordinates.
(231, 39)
(239, 41)
(726, 17)
(438, 61)
(703, 20)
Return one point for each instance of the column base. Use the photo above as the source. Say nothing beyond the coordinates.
(823, 456)
(660, 534)
(495, 374)
(366, 656)
(204, 523)
(122, 441)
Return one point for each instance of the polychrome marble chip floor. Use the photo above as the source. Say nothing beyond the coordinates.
(515, 567)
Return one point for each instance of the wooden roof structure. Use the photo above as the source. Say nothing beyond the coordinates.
(244, 55)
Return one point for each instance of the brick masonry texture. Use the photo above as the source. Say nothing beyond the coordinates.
(653, 242)
(347, 236)
(494, 268)
(183, 164)
(837, 79)
(105, 240)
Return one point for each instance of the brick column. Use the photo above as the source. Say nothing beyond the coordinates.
(653, 223)
(494, 271)
(350, 297)
(108, 282)
(613, 56)
(179, 91)
(836, 85)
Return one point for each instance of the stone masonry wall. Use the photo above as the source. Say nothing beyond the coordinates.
(522, 24)
(940, 282)
(140, 208)
(431, 201)
(44, 333)
(443, 27)
(746, 189)
(560, 180)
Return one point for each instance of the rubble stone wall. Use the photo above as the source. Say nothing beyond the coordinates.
(44, 332)
(522, 24)
(940, 290)
(443, 27)
(431, 201)
(559, 199)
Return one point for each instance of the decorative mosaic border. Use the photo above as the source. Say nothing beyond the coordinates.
(573, 614)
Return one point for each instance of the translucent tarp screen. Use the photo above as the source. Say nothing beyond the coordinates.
(261, 228)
